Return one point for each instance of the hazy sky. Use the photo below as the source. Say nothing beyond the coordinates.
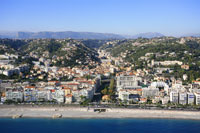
(170, 17)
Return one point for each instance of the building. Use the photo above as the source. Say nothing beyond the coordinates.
(150, 92)
(174, 97)
(124, 82)
(197, 98)
(10, 72)
(10, 69)
(30, 94)
(186, 67)
(134, 97)
(88, 93)
(73, 85)
(190, 98)
(75, 96)
(165, 100)
(130, 94)
(43, 95)
(167, 63)
(183, 98)
(161, 85)
(58, 95)
(143, 100)
(68, 99)
(185, 77)
(106, 98)
(123, 95)
(14, 95)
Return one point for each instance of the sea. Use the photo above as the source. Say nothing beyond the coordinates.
(64, 125)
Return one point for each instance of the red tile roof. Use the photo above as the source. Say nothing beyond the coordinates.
(30, 87)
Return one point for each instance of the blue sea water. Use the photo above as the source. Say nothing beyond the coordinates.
(39, 125)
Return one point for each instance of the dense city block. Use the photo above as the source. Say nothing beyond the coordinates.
(159, 72)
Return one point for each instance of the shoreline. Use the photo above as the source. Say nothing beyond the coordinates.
(81, 112)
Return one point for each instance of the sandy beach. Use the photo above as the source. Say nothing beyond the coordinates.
(80, 112)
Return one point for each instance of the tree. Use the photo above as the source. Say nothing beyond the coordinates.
(82, 98)
(112, 82)
(110, 92)
(105, 91)
(84, 101)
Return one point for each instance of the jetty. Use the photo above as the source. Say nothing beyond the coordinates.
(57, 116)
(17, 116)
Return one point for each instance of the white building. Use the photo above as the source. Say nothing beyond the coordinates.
(129, 95)
(44, 95)
(190, 98)
(150, 92)
(14, 95)
(197, 98)
(124, 82)
(162, 85)
(165, 100)
(183, 98)
(88, 93)
(30, 95)
(185, 76)
(123, 95)
(58, 95)
(167, 63)
(174, 96)
(10, 70)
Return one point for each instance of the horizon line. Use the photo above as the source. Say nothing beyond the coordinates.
(183, 35)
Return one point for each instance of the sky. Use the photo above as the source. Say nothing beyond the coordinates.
(128, 17)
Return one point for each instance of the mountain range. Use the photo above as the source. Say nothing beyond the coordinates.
(148, 35)
(78, 35)
(74, 35)
(68, 34)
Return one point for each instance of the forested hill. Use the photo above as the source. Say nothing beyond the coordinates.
(164, 48)
(61, 52)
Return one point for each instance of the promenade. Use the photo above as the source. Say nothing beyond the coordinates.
(81, 112)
